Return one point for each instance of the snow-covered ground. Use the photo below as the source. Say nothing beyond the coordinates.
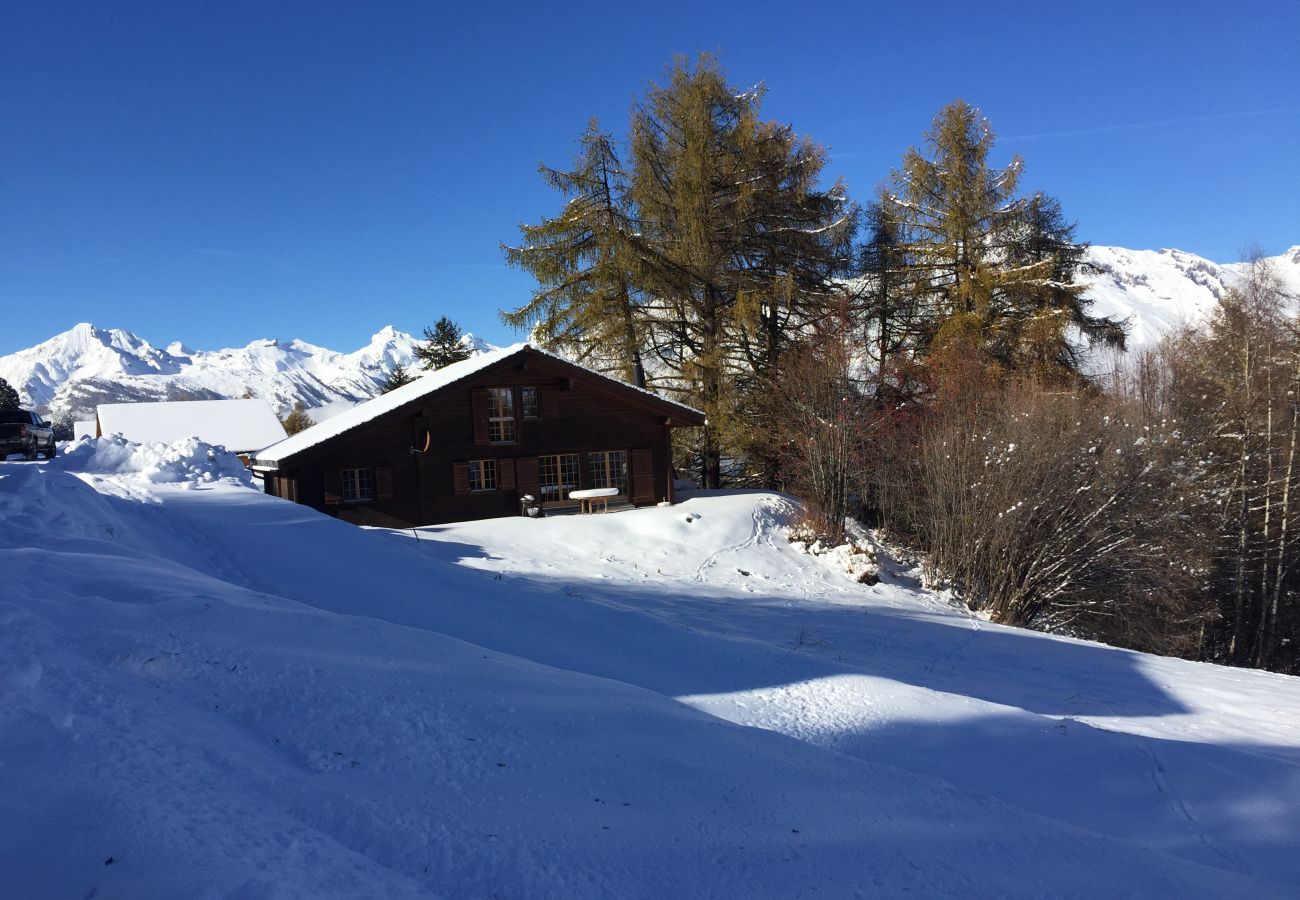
(205, 691)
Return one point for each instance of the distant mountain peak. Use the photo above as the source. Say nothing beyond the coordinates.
(86, 365)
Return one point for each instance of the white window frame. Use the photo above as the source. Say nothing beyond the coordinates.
(502, 428)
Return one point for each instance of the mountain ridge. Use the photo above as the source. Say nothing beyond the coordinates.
(86, 365)
(72, 372)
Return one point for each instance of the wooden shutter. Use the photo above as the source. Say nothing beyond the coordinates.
(383, 482)
(549, 399)
(506, 474)
(642, 464)
(333, 487)
(421, 439)
(526, 479)
(479, 403)
(460, 477)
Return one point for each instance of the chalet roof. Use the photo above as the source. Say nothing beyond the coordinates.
(423, 386)
(238, 425)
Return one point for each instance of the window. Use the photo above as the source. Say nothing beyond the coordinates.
(482, 474)
(608, 468)
(529, 403)
(501, 415)
(556, 476)
(286, 488)
(358, 484)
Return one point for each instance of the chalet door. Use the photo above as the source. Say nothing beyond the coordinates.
(556, 476)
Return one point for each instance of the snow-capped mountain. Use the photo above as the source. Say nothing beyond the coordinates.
(1156, 290)
(85, 366)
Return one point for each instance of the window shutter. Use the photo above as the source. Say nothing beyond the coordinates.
(526, 480)
(550, 400)
(383, 482)
(460, 477)
(421, 439)
(479, 403)
(643, 476)
(506, 474)
(333, 487)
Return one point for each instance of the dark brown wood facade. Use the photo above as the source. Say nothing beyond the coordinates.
(442, 458)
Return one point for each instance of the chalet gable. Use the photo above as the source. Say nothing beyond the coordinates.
(508, 366)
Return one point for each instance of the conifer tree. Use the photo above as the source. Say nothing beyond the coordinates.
(992, 273)
(737, 244)
(442, 345)
(585, 302)
(396, 378)
(8, 396)
(883, 301)
(297, 420)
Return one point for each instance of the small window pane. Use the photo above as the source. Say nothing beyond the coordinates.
(358, 484)
(483, 475)
(501, 415)
(528, 402)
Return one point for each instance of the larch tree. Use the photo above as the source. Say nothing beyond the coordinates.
(585, 303)
(992, 273)
(738, 245)
(297, 420)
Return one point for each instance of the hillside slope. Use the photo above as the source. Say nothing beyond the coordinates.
(1156, 290)
(210, 691)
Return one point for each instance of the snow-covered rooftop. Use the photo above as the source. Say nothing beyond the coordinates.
(422, 386)
(238, 425)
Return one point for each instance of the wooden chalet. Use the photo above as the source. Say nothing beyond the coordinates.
(469, 440)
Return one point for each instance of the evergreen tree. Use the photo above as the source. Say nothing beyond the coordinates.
(396, 378)
(883, 301)
(8, 396)
(585, 303)
(442, 345)
(737, 245)
(297, 420)
(992, 273)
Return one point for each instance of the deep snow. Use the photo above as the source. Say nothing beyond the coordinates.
(225, 694)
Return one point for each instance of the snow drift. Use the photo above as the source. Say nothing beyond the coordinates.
(205, 691)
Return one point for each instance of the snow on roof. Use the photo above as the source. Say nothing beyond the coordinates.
(238, 425)
(83, 428)
(422, 386)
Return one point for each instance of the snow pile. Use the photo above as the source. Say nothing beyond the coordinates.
(188, 461)
(855, 556)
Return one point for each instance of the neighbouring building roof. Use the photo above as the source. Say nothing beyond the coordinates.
(83, 428)
(240, 426)
(431, 382)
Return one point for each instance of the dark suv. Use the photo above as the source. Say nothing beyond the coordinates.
(26, 433)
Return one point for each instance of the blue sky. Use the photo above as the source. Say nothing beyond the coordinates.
(215, 172)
